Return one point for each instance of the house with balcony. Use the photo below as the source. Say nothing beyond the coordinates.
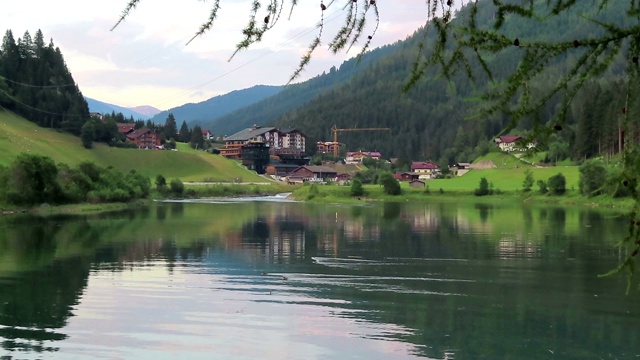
(509, 143)
(355, 157)
(145, 138)
(425, 169)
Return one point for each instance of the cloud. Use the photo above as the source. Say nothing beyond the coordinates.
(145, 59)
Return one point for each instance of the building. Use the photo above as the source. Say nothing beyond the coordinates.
(206, 134)
(312, 174)
(425, 170)
(144, 138)
(327, 147)
(355, 157)
(255, 156)
(288, 144)
(510, 143)
(125, 128)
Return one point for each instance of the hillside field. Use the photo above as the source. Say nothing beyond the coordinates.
(18, 135)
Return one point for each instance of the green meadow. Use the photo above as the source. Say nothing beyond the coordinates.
(18, 135)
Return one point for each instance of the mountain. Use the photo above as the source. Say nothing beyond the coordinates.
(103, 108)
(146, 110)
(293, 96)
(202, 112)
(429, 122)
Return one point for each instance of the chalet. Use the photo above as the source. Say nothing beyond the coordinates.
(425, 170)
(406, 176)
(510, 143)
(342, 178)
(312, 173)
(327, 147)
(357, 156)
(206, 134)
(279, 171)
(144, 138)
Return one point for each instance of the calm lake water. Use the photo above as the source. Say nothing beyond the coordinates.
(281, 280)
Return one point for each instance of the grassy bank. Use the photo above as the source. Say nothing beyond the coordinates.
(19, 135)
(341, 194)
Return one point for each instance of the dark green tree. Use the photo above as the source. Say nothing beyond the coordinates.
(88, 134)
(593, 176)
(177, 187)
(184, 135)
(528, 182)
(483, 188)
(170, 127)
(32, 179)
(390, 184)
(557, 184)
(356, 188)
(197, 139)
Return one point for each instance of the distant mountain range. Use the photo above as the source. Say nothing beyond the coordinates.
(143, 112)
(218, 106)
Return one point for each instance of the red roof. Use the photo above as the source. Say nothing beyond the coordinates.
(510, 138)
(423, 165)
(125, 127)
(137, 133)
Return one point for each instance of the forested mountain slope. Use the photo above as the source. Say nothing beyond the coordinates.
(430, 120)
(205, 112)
(293, 96)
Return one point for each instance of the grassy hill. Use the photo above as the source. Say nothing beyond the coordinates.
(18, 135)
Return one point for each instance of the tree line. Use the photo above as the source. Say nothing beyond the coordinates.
(37, 179)
(36, 84)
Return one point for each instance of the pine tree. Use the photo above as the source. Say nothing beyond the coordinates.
(170, 127)
(185, 134)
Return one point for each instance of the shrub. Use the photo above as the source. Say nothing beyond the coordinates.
(542, 187)
(177, 187)
(593, 176)
(356, 188)
(528, 182)
(557, 184)
(390, 184)
(483, 188)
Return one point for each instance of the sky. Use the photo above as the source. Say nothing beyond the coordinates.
(146, 59)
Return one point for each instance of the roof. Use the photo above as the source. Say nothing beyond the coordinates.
(249, 133)
(286, 131)
(365, 153)
(137, 133)
(423, 165)
(320, 169)
(125, 127)
(510, 138)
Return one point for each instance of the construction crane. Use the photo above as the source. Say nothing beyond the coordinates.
(335, 131)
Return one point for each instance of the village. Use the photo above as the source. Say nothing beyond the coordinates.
(281, 154)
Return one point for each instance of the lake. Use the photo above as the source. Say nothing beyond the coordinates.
(251, 279)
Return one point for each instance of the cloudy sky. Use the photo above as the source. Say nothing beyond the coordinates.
(145, 60)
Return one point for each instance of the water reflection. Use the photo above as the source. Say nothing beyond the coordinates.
(431, 280)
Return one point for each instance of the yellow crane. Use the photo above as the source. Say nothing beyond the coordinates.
(335, 130)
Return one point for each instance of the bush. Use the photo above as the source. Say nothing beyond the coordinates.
(177, 187)
(557, 184)
(483, 188)
(593, 176)
(542, 187)
(356, 188)
(528, 182)
(390, 184)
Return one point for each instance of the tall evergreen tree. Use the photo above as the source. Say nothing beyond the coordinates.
(170, 127)
(197, 140)
(185, 134)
